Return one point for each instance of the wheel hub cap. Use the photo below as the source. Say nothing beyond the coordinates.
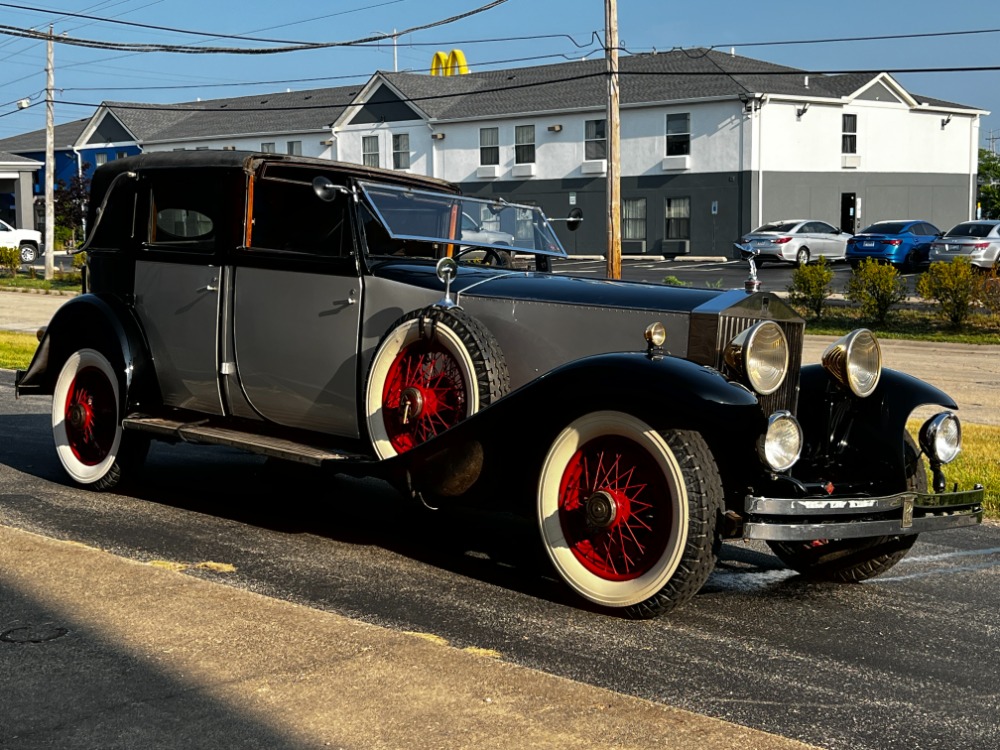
(602, 510)
(78, 416)
(411, 404)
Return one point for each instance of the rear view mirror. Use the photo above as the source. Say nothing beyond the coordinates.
(574, 219)
(326, 190)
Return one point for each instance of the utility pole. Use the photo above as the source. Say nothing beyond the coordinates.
(50, 161)
(614, 142)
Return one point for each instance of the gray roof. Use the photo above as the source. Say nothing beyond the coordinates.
(15, 160)
(285, 112)
(64, 136)
(656, 77)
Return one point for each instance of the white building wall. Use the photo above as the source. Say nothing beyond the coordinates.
(719, 141)
(312, 143)
(890, 138)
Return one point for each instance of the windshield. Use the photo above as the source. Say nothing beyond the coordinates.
(783, 226)
(885, 227)
(970, 230)
(458, 220)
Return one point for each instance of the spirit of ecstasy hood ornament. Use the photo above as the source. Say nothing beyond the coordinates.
(749, 253)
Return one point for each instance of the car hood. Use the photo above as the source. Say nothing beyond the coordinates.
(510, 284)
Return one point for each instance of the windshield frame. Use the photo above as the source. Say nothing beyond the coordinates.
(378, 194)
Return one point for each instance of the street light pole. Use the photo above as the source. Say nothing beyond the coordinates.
(614, 142)
(50, 161)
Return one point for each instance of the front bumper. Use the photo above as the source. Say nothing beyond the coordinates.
(803, 519)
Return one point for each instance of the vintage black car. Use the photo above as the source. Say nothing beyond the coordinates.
(335, 315)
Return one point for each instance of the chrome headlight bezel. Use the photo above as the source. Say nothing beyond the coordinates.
(855, 362)
(780, 447)
(759, 356)
(941, 437)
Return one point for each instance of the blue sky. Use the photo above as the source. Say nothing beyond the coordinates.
(562, 29)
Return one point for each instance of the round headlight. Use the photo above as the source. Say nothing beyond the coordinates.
(760, 356)
(855, 361)
(781, 446)
(941, 437)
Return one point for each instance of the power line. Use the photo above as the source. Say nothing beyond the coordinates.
(191, 32)
(192, 50)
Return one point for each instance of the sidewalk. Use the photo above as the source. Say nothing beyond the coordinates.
(99, 651)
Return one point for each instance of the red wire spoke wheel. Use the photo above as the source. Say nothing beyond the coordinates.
(614, 508)
(628, 514)
(85, 419)
(435, 367)
(425, 393)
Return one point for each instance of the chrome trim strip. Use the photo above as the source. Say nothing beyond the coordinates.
(772, 506)
(806, 532)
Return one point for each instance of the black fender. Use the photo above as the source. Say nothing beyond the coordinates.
(665, 392)
(101, 322)
(859, 440)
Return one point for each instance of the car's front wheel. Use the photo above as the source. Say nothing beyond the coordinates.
(628, 514)
(28, 253)
(435, 367)
(87, 426)
(855, 560)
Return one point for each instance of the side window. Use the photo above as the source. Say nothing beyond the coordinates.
(194, 210)
(289, 216)
(117, 227)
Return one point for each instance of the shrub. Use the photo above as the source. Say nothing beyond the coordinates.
(990, 293)
(10, 259)
(955, 287)
(811, 286)
(673, 281)
(875, 287)
(79, 260)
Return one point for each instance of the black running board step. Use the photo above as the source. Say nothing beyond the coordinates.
(265, 445)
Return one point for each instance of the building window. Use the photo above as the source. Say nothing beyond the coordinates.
(267, 148)
(369, 150)
(634, 219)
(294, 148)
(595, 140)
(679, 134)
(401, 151)
(678, 215)
(489, 146)
(849, 138)
(524, 144)
(100, 159)
(121, 154)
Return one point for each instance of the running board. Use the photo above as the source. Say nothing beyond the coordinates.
(265, 445)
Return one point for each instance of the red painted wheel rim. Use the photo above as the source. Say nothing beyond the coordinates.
(91, 416)
(628, 542)
(424, 394)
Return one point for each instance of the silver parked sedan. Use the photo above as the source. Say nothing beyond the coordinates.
(978, 241)
(798, 241)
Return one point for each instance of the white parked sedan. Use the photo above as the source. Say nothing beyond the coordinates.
(797, 241)
(978, 241)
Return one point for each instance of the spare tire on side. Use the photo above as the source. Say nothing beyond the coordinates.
(435, 367)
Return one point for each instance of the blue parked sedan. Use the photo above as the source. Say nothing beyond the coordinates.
(904, 243)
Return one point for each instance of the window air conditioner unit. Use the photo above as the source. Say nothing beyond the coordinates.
(633, 247)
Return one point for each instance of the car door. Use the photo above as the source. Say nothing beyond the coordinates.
(828, 240)
(178, 277)
(297, 300)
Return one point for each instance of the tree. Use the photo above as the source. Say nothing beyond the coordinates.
(989, 188)
(71, 206)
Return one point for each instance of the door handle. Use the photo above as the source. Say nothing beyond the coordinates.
(212, 286)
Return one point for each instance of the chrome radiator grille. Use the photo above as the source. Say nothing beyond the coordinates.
(710, 333)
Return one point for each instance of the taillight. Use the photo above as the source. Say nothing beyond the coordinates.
(894, 243)
(780, 240)
(981, 246)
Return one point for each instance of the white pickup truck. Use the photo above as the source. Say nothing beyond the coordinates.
(28, 241)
